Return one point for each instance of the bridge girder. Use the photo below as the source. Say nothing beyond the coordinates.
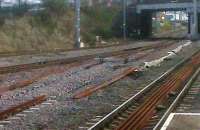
(188, 7)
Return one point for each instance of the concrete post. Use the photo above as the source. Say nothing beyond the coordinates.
(189, 23)
(77, 24)
(124, 18)
(174, 20)
(194, 27)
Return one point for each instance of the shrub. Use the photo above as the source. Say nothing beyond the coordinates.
(98, 22)
(55, 7)
(50, 15)
(166, 25)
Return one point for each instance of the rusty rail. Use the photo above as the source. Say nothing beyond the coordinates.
(36, 52)
(26, 82)
(180, 96)
(40, 64)
(90, 90)
(140, 117)
(20, 84)
(25, 105)
(134, 117)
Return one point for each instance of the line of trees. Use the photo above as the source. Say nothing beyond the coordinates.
(97, 2)
(22, 6)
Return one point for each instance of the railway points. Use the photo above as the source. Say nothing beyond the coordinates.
(99, 65)
(76, 78)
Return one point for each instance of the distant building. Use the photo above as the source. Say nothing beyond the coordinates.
(176, 16)
(10, 3)
(7, 3)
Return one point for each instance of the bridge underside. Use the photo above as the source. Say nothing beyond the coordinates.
(144, 16)
(188, 6)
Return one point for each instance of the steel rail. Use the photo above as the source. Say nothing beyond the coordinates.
(57, 51)
(40, 64)
(138, 118)
(22, 106)
(24, 83)
(178, 98)
(91, 89)
(110, 116)
(144, 113)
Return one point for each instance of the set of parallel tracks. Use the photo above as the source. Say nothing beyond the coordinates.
(78, 60)
(148, 109)
(38, 100)
(58, 51)
(71, 62)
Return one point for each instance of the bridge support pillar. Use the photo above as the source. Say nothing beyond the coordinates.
(189, 24)
(193, 27)
(145, 24)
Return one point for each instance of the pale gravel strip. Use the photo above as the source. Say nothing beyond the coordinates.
(15, 60)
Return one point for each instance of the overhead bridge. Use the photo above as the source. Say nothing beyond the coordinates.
(144, 8)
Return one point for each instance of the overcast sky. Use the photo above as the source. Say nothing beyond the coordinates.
(15, 1)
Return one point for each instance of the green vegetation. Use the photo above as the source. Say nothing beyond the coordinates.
(167, 25)
(97, 21)
(52, 27)
(162, 26)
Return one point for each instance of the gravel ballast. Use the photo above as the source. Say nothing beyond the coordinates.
(69, 114)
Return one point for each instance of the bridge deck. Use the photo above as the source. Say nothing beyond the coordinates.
(166, 5)
(163, 1)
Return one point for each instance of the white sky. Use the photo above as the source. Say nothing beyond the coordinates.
(15, 1)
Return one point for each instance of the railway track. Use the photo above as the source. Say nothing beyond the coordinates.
(78, 60)
(22, 106)
(149, 108)
(91, 89)
(26, 82)
(38, 100)
(189, 102)
(58, 51)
